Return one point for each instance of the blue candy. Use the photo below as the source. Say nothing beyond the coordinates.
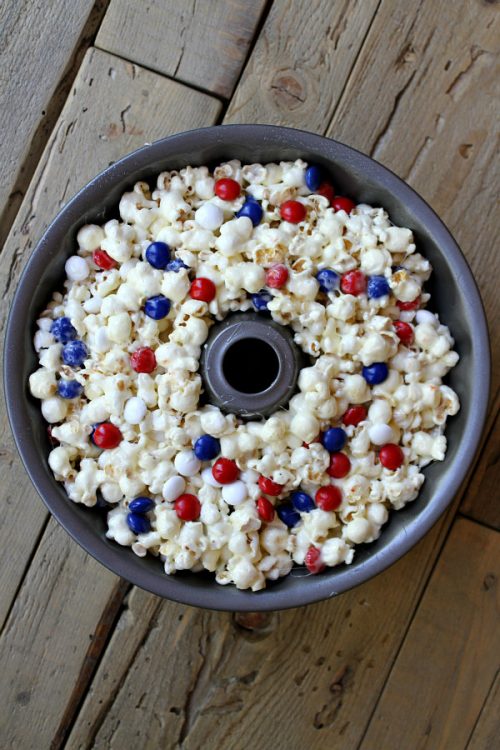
(157, 307)
(334, 439)
(302, 502)
(261, 300)
(375, 373)
(138, 524)
(328, 280)
(158, 254)
(175, 265)
(69, 388)
(62, 330)
(252, 209)
(206, 448)
(378, 286)
(314, 177)
(74, 353)
(288, 515)
(141, 505)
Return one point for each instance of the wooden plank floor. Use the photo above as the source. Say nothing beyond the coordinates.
(409, 659)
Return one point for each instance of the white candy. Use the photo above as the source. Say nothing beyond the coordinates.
(208, 477)
(209, 216)
(234, 493)
(54, 409)
(187, 464)
(173, 487)
(135, 410)
(381, 433)
(76, 268)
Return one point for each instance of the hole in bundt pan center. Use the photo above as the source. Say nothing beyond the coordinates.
(250, 365)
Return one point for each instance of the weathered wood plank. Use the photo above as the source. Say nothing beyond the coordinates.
(422, 99)
(38, 50)
(61, 595)
(204, 44)
(488, 725)
(481, 499)
(301, 62)
(114, 108)
(450, 657)
(215, 679)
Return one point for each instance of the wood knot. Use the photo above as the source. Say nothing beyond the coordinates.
(288, 91)
(254, 625)
(489, 581)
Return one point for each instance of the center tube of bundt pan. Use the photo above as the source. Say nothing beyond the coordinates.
(250, 365)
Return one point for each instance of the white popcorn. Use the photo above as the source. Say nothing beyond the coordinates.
(89, 237)
(159, 413)
(42, 383)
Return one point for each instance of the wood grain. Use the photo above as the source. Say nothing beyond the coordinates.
(487, 730)
(203, 44)
(37, 48)
(451, 654)
(481, 501)
(301, 62)
(304, 678)
(61, 582)
(426, 108)
(114, 108)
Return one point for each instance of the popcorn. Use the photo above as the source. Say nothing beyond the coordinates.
(154, 415)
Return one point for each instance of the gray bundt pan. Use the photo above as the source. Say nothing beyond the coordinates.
(454, 296)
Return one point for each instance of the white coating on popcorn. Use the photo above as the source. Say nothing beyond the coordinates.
(159, 413)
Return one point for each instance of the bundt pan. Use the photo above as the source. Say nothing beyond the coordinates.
(454, 296)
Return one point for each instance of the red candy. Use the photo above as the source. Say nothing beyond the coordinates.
(143, 360)
(391, 456)
(106, 435)
(269, 487)
(404, 332)
(354, 415)
(225, 471)
(277, 276)
(343, 204)
(312, 560)
(265, 509)
(409, 305)
(353, 282)
(327, 191)
(328, 498)
(227, 189)
(293, 211)
(203, 289)
(340, 466)
(103, 260)
(187, 507)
